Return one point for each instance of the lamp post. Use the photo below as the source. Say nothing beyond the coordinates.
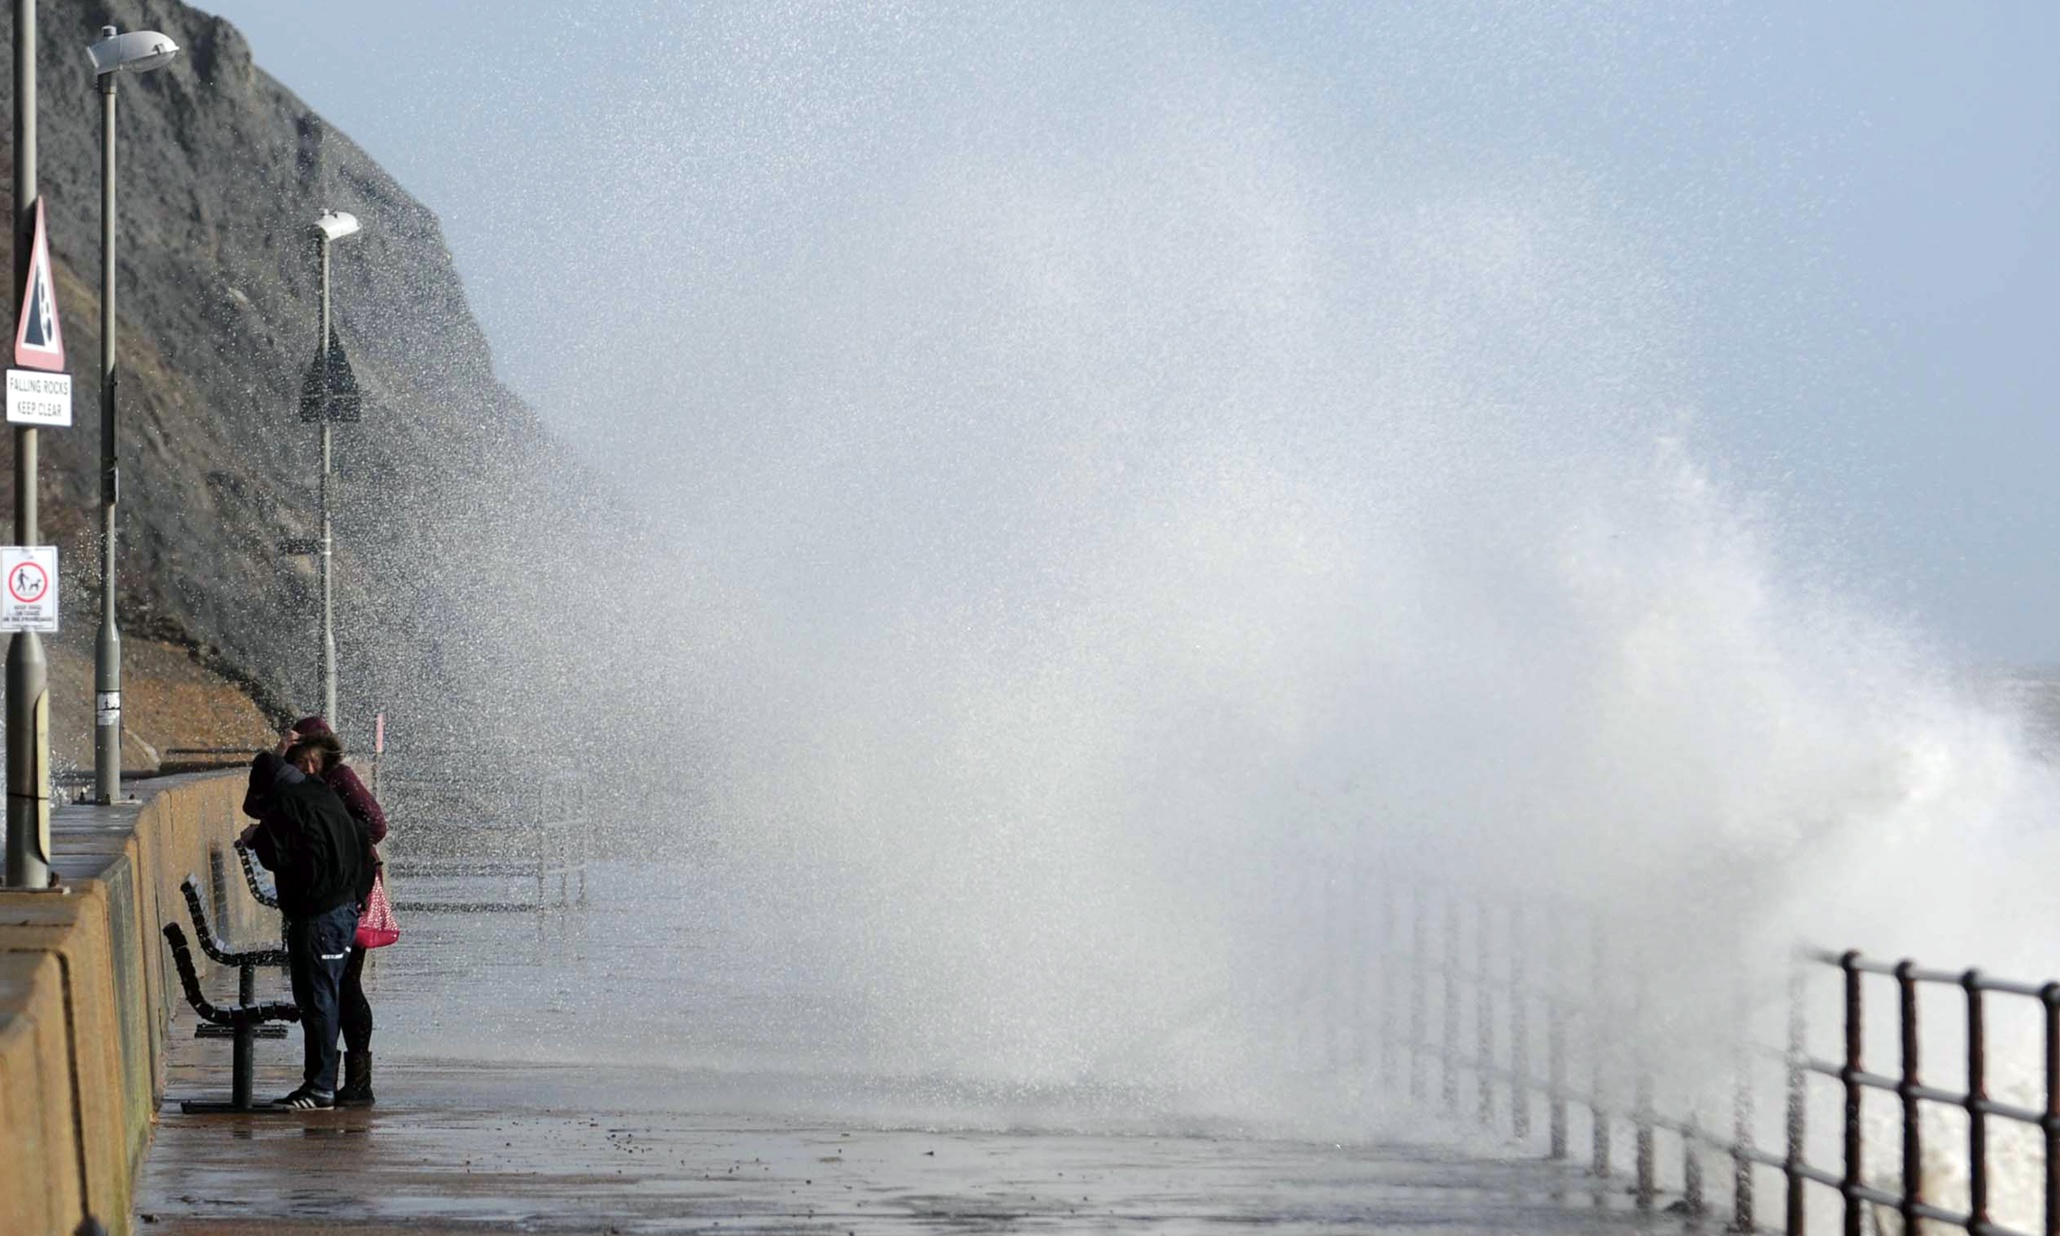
(333, 226)
(135, 52)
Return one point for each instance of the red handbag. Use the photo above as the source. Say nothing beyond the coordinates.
(377, 926)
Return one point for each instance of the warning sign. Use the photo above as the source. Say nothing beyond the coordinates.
(38, 338)
(329, 389)
(38, 398)
(29, 600)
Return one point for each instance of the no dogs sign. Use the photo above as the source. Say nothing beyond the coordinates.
(28, 601)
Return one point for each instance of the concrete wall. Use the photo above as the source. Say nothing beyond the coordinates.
(87, 990)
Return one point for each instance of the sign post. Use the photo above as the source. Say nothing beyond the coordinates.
(38, 345)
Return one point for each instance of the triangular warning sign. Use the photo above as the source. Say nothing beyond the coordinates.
(38, 338)
(329, 389)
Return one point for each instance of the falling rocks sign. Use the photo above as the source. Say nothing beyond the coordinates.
(38, 398)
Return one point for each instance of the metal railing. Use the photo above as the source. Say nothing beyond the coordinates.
(467, 844)
(1910, 1088)
(1500, 1008)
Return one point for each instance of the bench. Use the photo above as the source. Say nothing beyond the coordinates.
(243, 1022)
(264, 896)
(245, 960)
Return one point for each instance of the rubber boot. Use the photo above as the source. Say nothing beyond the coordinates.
(356, 1090)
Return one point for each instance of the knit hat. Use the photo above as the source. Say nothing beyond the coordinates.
(311, 725)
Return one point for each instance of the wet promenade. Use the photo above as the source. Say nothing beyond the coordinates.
(464, 1147)
(523, 1087)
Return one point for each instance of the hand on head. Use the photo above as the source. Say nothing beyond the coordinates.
(313, 754)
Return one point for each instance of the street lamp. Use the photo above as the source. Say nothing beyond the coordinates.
(333, 226)
(138, 51)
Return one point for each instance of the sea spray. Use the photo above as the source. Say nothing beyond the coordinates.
(1114, 532)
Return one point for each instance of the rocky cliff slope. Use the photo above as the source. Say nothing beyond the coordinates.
(451, 490)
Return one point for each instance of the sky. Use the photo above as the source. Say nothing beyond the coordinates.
(1848, 210)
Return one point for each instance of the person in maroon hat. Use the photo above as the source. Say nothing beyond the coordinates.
(356, 1013)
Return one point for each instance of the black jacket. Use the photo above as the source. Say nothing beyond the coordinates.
(305, 837)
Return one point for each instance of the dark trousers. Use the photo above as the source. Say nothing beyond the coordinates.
(357, 1011)
(318, 951)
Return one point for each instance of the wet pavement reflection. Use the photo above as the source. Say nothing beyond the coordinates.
(514, 1096)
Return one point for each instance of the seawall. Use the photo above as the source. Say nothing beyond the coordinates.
(87, 988)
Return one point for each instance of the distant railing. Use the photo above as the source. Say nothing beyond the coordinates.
(1582, 1017)
(467, 843)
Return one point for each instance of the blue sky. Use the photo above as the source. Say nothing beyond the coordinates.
(1851, 206)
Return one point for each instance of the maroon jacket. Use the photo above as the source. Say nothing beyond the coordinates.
(357, 800)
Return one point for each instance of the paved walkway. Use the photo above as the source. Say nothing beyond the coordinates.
(474, 1134)
(461, 1147)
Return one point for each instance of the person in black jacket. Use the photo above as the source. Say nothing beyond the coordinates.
(318, 853)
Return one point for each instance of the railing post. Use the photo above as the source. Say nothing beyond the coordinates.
(1448, 1052)
(1280, 1015)
(1644, 1156)
(1364, 965)
(1555, 1033)
(586, 855)
(1798, 1079)
(1419, 993)
(1691, 1170)
(1306, 1042)
(1331, 992)
(1519, 1028)
(1384, 977)
(1484, 1012)
(1906, 1087)
(1977, 1100)
(1644, 1153)
(1855, 1042)
(542, 849)
(2049, 995)
(1744, 1210)
(1599, 1044)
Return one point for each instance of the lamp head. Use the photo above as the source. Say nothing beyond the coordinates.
(138, 51)
(336, 224)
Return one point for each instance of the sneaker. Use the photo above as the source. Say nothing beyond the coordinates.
(306, 1098)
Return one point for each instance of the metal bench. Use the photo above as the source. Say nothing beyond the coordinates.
(264, 896)
(244, 1022)
(246, 960)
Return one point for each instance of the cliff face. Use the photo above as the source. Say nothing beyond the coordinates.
(447, 483)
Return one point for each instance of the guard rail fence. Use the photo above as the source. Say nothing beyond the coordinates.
(1555, 1017)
